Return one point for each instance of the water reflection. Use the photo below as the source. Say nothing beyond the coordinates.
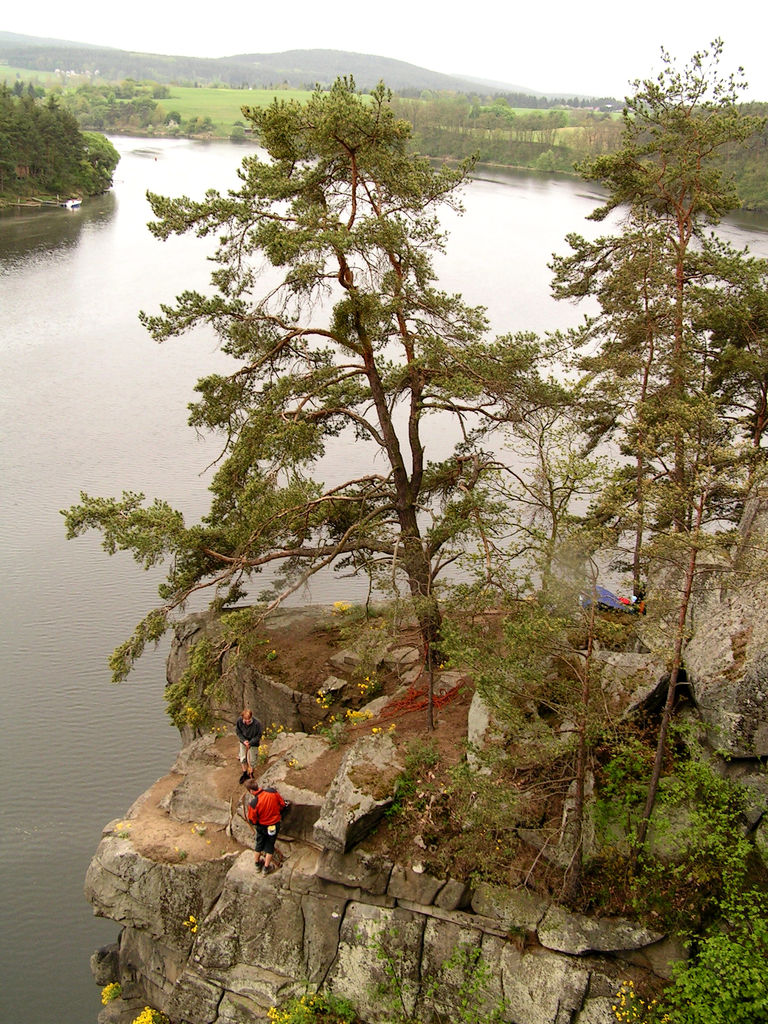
(28, 232)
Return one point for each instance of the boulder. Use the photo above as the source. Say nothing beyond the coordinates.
(631, 683)
(518, 910)
(414, 883)
(294, 754)
(271, 700)
(566, 932)
(357, 870)
(335, 689)
(401, 658)
(360, 793)
(122, 1011)
(104, 964)
(658, 958)
(375, 707)
(201, 751)
(346, 661)
(371, 941)
(727, 664)
(196, 797)
(454, 895)
(727, 656)
(447, 681)
(482, 728)
(538, 986)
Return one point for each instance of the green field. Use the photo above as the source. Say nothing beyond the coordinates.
(9, 75)
(223, 105)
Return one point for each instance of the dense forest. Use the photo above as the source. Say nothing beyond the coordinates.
(43, 152)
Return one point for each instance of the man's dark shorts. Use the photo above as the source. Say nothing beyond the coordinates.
(266, 835)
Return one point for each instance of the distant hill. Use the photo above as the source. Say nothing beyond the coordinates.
(297, 68)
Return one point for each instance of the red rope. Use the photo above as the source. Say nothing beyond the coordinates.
(417, 700)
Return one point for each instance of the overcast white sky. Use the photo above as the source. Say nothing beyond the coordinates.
(595, 48)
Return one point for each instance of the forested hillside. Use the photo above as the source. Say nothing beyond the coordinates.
(299, 69)
(43, 153)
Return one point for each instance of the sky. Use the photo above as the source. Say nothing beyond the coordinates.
(594, 49)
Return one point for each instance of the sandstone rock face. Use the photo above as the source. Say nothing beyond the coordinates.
(359, 795)
(340, 919)
(247, 687)
(727, 664)
(336, 914)
(574, 933)
(727, 656)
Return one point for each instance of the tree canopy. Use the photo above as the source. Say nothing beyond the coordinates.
(42, 150)
(324, 295)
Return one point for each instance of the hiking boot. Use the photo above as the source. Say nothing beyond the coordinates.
(268, 869)
(259, 865)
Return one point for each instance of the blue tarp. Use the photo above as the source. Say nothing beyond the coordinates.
(607, 599)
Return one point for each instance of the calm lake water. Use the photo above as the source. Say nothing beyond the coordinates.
(89, 402)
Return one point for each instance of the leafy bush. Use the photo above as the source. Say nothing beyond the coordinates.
(111, 992)
(727, 981)
(150, 1016)
(309, 1009)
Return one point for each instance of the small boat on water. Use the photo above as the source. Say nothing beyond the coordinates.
(73, 204)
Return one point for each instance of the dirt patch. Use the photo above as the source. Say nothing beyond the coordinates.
(318, 775)
(299, 656)
(159, 837)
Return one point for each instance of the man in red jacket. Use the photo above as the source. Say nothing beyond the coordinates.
(264, 810)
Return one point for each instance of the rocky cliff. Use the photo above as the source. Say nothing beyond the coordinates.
(207, 940)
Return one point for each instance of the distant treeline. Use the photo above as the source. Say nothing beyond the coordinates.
(297, 69)
(454, 127)
(526, 100)
(43, 152)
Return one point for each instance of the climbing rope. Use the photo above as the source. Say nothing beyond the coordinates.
(417, 699)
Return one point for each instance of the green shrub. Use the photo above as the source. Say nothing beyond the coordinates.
(111, 992)
(420, 757)
(189, 700)
(309, 1009)
(727, 980)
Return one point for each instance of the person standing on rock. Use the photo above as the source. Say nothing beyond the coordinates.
(249, 732)
(264, 811)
